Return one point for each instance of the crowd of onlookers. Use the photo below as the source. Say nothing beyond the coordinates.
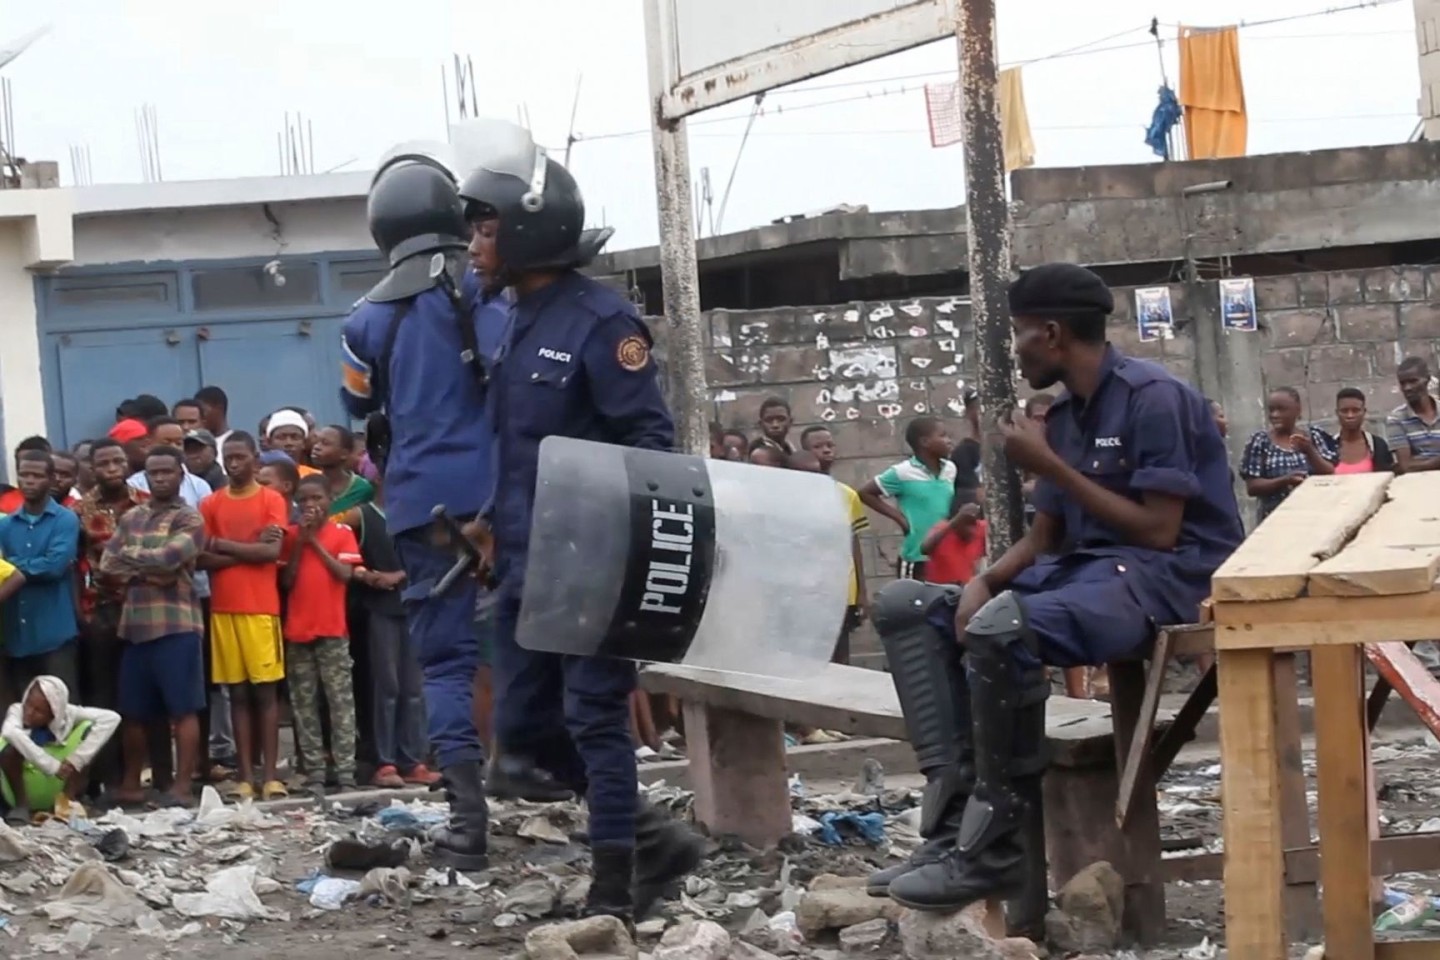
(170, 579)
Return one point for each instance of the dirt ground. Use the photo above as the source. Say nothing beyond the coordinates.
(443, 920)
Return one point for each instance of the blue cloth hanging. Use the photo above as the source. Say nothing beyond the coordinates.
(1162, 121)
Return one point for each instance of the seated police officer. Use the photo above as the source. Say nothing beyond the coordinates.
(576, 363)
(1134, 512)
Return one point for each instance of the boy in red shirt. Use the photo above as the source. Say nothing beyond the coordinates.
(954, 548)
(317, 640)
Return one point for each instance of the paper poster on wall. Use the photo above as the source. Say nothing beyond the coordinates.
(1153, 315)
(1237, 304)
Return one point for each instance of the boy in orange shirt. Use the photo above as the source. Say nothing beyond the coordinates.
(317, 640)
(245, 524)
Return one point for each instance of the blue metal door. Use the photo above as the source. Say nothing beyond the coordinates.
(268, 364)
(97, 370)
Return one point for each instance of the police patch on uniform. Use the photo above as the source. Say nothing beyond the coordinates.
(356, 374)
(633, 354)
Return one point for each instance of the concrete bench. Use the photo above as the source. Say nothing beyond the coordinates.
(1098, 797)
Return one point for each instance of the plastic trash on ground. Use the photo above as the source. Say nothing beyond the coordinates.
(231, 894)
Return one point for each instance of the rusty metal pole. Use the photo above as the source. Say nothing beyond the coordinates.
(987, 215)
(679, 273)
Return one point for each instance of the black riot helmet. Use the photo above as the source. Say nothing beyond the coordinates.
(536, 200)
(413, 211)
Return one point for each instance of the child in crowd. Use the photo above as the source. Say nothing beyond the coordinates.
(916, 493)
(317, 639)
(764, 453)
(280, 474)
(954, 549)
(46, 745)
(775, 424)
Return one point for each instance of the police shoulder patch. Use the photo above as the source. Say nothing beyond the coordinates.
(633, 353)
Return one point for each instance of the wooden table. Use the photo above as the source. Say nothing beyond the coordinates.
(1345, 561)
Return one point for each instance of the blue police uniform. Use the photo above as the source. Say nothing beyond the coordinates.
(1102, 598)
(576, 364)
(440, 454)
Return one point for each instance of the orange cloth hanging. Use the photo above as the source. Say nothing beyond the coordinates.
(1212, 93)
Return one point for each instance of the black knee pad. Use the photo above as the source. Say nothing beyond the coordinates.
(925, 667)
(905, 604)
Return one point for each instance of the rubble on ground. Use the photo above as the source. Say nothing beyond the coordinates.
(184, 883)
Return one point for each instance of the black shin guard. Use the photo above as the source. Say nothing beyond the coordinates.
(928, 674)
(1008, 693)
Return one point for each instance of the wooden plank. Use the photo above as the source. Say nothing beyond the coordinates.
(1302, 906)
(1182, 729)
(858, 701)
(1136, 750)
(1397, 551)
(1311, 525)
(1341, 778)
(1402, 853)
(1427, 949)
(1254, 855)
(1144, 890)
(1403, 672)
(1329, 621)
(1191, 640)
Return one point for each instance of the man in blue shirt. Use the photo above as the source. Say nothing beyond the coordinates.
(415, 347)
(42, 540)
(576, 363)
(1134, 512)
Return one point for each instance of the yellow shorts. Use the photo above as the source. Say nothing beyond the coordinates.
(247, 648)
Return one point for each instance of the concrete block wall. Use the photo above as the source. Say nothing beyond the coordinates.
(1349, 328)
(866, 369)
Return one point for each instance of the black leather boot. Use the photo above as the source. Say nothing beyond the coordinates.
(462, 842)
(665, 851)
(1007, 692)
(514, 778)
(612, 879)
(941, 808)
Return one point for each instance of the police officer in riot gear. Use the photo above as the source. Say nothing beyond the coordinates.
(415, 348)
(1134, 513)
(576, 363)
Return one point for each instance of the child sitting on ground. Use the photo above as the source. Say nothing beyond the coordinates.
(46, 745)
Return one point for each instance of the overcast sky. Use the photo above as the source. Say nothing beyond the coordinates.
(368, 74)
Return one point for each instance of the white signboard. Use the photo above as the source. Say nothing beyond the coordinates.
(719, 51)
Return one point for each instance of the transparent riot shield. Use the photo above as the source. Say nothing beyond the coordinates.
(669, 558)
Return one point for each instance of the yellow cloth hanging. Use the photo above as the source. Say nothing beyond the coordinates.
(1015, 122)
(1212, 93)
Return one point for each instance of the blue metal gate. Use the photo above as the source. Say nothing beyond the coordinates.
(266, 331)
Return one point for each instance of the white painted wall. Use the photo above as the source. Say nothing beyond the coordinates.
(214, 233)
(34, 234)
(20, 389)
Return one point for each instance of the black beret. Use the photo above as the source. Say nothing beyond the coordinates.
(1059, 289)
